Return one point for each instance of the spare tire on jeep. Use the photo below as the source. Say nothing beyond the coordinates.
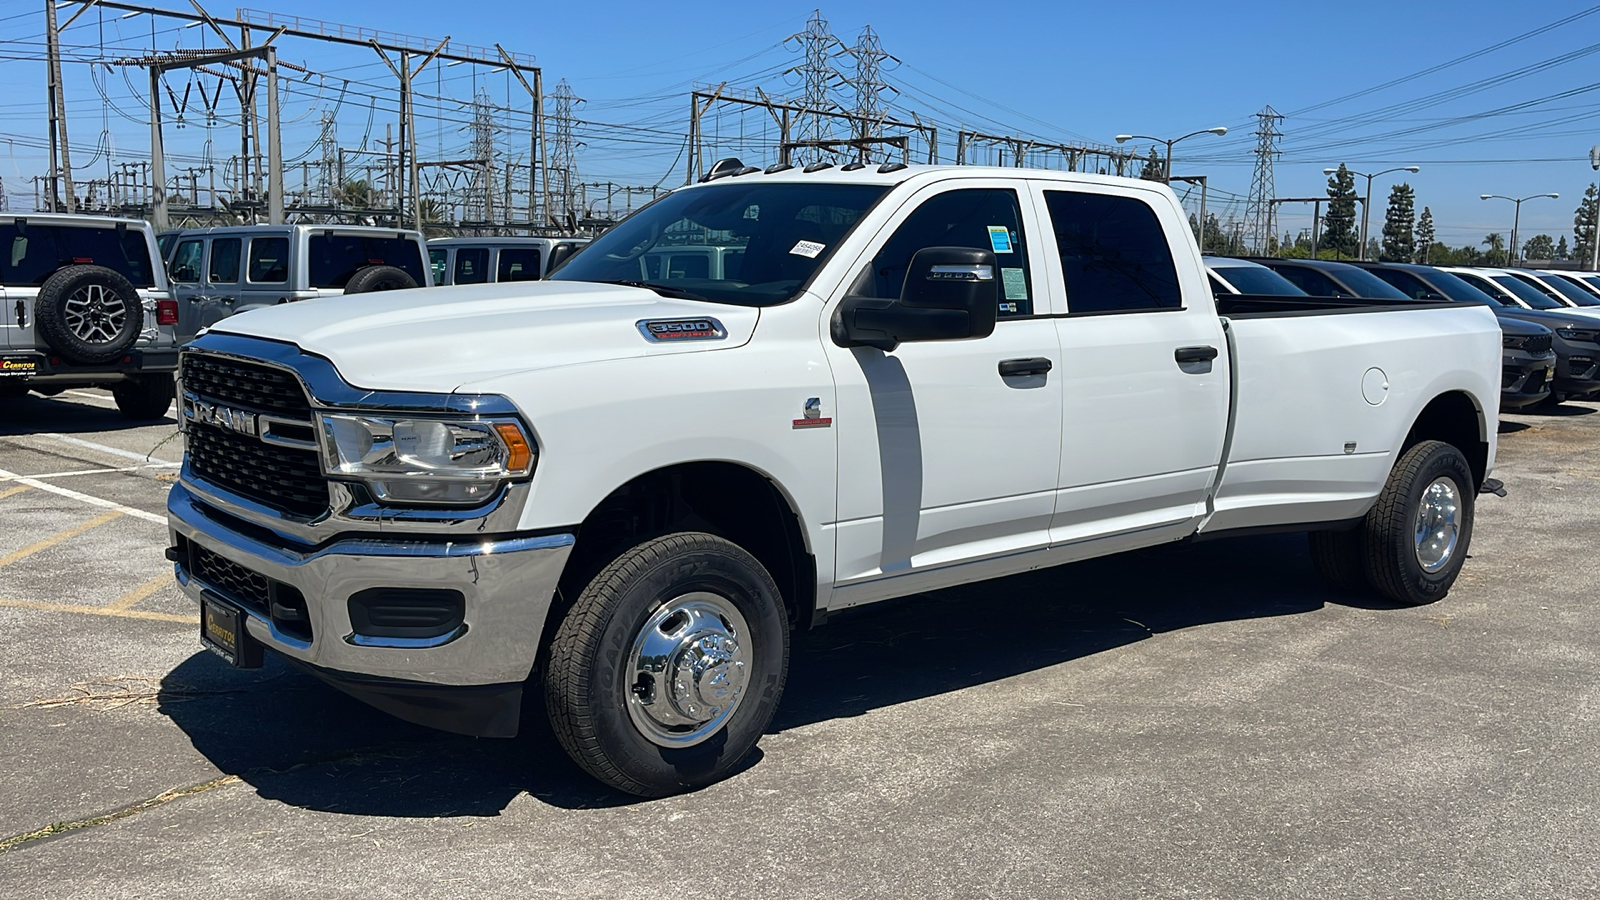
(379, 278)
(89, 314)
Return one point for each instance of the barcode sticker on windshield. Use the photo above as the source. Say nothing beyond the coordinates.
(808, 249)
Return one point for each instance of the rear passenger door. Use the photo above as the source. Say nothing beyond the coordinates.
(1144, 366)
(518, 264)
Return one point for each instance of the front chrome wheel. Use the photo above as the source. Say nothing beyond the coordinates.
(688, 670)
(1437, 526)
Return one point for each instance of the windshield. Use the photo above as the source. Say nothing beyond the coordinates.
(748, 243)
(1257, 280)
(1367, 285)
(1459, 290)
(1527, 293)
(1571, 291)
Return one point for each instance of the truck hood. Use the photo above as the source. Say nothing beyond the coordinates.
(436, 339)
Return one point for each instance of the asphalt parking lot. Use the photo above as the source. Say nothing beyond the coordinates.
(1196, 721)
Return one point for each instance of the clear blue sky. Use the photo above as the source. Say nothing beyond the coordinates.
(1060, 71)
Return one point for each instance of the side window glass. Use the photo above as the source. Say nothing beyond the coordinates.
(1114, 255)
(472, 265)
(1319, 285)
(225, 261)
(518, 264)
(1217, 287)
(437, 260)
(185, 266)
(980, 218)
(269, 260)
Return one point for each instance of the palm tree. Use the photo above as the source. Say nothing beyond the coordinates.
(1496, 242)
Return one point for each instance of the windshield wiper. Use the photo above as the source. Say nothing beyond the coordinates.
(663, 290)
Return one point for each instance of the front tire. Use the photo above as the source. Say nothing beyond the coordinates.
(669, 665)
(1416, 537)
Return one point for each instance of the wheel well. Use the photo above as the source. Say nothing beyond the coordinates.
(720, 498)
(1456, 420)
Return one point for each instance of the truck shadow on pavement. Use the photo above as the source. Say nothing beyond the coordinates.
(34, 415)
(299, 741)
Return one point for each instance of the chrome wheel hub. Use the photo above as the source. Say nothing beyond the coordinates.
(95, 314)
(1438, 525)
(688, 669)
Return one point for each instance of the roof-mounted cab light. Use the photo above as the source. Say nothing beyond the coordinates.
(852, 167)
(723, 167)
(747, 170)
(888, 167)
(775, 168)
(817, 167)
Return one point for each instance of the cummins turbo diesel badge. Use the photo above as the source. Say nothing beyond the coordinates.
(661, 331)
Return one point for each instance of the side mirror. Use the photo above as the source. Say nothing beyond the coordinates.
(560, 253)
(950, 293)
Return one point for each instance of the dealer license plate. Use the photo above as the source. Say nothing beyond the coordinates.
(222, 632)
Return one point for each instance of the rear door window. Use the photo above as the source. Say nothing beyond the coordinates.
(35, 252)
(472, 265)
(439, 260)
(1115, 257)
(224, 261)
(518, 264)
(1311, 281)
(336, 257)
(269, 260)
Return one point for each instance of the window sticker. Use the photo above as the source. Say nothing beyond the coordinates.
(1000, 238)
(1008, 308)
(808, 249)
(1015, 282)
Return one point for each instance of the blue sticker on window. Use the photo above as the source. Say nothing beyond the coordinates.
(1000, 238)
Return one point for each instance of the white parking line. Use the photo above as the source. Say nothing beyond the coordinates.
(114, 451)
(72, 473)
(82, 497)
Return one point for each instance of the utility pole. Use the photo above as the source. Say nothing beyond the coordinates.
(1316, 216)
(1191, 179)
(60, 189)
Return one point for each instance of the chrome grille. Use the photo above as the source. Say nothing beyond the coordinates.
(288, 479)
(239, 383)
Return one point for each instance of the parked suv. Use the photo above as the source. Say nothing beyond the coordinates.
(84, 303)
(493, 259)
(217, 272)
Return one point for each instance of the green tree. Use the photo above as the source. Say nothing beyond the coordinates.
(1399, 225)
(1562, 250)
(1583, 225)
(1540, 246)
(1496, 242)
(1424, 236)
(355, 193)
(1339, 224)
(1152, 167)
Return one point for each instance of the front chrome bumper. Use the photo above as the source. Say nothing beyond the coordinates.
(508, 585)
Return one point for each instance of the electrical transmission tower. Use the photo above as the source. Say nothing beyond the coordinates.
(563, 151)
(481, 202)
(1259, 210)
(820, 78)
(331, 172)
(870, 88)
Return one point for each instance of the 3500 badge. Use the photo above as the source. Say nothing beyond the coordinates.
(703, 328)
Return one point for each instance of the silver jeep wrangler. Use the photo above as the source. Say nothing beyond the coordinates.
(85, 302)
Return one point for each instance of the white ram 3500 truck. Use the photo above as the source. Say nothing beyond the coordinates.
(625, 494)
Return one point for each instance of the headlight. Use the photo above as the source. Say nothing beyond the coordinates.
(1583, 335)
(425, 460)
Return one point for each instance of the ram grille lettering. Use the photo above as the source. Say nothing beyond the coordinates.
(663, 331)
(225, 418)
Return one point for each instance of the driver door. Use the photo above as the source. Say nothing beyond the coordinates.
(944, 459)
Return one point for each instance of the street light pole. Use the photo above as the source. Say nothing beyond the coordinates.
(1366, 207)
(1166, 174)
(1516, 219)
